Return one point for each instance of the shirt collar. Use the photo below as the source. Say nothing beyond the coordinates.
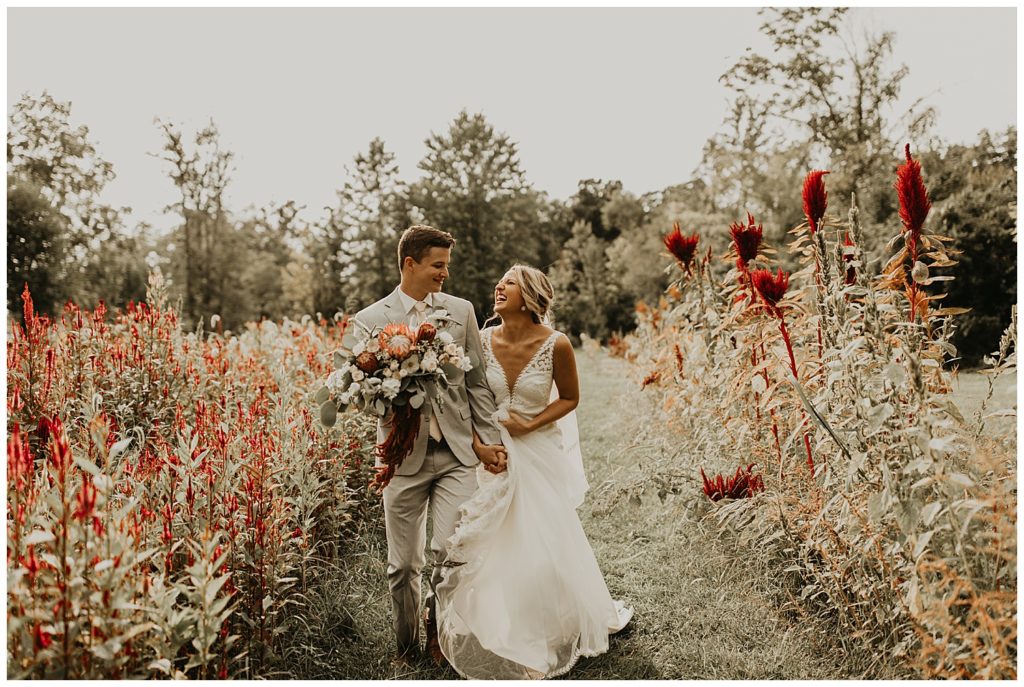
(408, 302)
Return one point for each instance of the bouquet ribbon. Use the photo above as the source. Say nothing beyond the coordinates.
(398, 444)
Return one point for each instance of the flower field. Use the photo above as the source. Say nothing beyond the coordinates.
(175, 502)
(171, 495)
(876, 506)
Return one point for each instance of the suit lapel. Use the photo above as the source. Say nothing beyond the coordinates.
(393, 310)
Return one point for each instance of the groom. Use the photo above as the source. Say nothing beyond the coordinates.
(439, 474)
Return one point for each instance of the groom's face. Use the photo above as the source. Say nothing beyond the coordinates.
(428, 274)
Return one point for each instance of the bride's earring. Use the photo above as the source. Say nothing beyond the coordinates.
(523, 308)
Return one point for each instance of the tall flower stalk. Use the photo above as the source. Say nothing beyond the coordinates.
(772, 289)
(914, 208)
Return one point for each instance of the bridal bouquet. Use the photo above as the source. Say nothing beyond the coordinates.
(392, 371)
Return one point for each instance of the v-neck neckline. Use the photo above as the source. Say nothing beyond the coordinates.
(504, 373)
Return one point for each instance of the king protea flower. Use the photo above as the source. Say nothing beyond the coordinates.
(682, 247)
(771, 287)
(367, 362)
(914, 202)
(815, 198)
(426, 332)
(746, 240)
(397, 340)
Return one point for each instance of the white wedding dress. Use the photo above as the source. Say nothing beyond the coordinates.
(522, 595)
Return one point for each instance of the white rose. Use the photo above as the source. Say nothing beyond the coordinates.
(429, 363)
(387, 372)
(465, 364)
(393, 366)
(403, 374)
(358, 375)
(373, 345)
(451, 349)
(445, 338)
(391, 387)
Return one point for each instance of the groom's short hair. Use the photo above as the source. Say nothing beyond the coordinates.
(417, 241)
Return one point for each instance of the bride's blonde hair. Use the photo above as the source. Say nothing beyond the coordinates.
(535, 287)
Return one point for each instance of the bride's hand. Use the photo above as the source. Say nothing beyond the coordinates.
(517, 425)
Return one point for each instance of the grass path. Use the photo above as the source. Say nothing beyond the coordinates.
(698, 615)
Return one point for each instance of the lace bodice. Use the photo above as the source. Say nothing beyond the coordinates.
(531, 393)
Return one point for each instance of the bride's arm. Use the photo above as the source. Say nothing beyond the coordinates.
(568, 383)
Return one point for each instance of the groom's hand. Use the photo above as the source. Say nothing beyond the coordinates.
(493, 456)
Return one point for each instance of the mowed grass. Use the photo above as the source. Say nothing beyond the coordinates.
(699, 615)
(970, 390)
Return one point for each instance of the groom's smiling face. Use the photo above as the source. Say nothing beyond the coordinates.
(427, 275)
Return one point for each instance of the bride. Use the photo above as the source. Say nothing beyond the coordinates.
(521, 594)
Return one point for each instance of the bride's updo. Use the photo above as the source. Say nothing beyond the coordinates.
(538, 294)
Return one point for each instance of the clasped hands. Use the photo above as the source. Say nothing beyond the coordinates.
(493, 456)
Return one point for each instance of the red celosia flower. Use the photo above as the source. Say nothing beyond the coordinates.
(426, 332)
(848, 254)
(31, 564)
(682, 247)
(914, 202)
(741, 485)
(60, 450)
(86, 500)
(397, 340)
(746, 240)
(367, 362)
(42, 638)
(771, 287)
(296, 533)
(19, 460)
(815, 198)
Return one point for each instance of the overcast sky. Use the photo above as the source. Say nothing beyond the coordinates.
(587, 93)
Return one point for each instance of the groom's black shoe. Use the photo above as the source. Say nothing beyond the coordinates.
(433, 645)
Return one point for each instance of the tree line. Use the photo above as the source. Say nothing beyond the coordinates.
(817, 99)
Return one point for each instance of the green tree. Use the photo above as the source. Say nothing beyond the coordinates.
(589, 201)
(358, 251)
(205, 255)
(584, 287)
(475, 188)
(265, 242)
(35, 248)
(101, 259)
(974, 190)
(822, 85)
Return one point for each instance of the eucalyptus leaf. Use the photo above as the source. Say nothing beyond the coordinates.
(328, 414)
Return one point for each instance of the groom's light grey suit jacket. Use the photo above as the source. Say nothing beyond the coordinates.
(468, 402)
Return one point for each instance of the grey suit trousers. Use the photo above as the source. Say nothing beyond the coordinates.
(441, 485)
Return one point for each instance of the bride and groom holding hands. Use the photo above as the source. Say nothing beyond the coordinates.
(515, 590)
